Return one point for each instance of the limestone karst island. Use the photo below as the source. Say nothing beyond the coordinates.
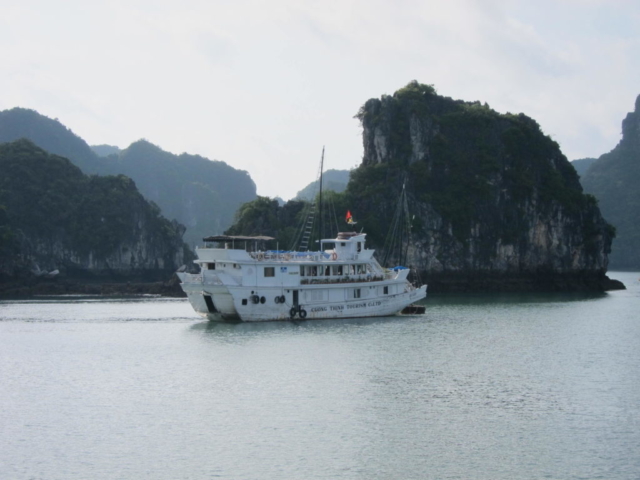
(495, 205)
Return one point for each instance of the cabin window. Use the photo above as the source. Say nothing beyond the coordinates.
(314, 271)
(361, 268)
(356, 293)
(327, 271)
(359, 247)
(269, 271)
(343, 244)
(314, 295)
(303, 271)
(386, 290)
(211, 266)
(337, 269)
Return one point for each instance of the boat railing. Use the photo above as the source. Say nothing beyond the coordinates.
(291, 256)
(329, 281)
(302, 256)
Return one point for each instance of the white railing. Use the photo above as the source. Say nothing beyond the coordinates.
(302, 257)
(291, 257)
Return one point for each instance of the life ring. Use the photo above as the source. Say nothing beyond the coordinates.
(282, 298)
(302, 313)
(292, 312)
(255, 298)
(260, 256)
(277, 299)
(334, 255)
(263, 300)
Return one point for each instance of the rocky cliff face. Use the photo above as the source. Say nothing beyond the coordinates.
(497, 205)
(60, 219)
(614, 179)
(145, 252)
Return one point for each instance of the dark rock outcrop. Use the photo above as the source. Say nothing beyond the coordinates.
(497, 205)
(59, 219)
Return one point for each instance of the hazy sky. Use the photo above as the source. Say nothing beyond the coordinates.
(263, 85)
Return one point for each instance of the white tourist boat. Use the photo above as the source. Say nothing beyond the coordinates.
(342, 280)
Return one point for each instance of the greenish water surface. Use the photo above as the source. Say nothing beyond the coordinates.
(480, 387)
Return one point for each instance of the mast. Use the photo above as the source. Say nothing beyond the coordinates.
(307, 227)
(399, 235)
(320, 199)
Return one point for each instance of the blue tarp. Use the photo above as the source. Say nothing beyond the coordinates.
(399, 267)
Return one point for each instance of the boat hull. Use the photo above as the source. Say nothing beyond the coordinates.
(248, 304)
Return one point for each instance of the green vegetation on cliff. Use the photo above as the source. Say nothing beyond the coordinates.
(471, 164)
(265, 216)
(57, 217)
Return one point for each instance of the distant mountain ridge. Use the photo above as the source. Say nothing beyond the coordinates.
(582, 165)
(48, 134)
(199, 193)
(335, 180)
(614, 179)
(105, 150)
(203, 194)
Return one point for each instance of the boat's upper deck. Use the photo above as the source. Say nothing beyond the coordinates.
(340, 260)
(346, 247)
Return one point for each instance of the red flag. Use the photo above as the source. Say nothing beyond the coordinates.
(349, 218)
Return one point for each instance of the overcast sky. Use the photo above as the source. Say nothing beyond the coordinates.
(263, 85)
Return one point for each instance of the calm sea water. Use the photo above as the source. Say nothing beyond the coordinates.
(481, 387)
